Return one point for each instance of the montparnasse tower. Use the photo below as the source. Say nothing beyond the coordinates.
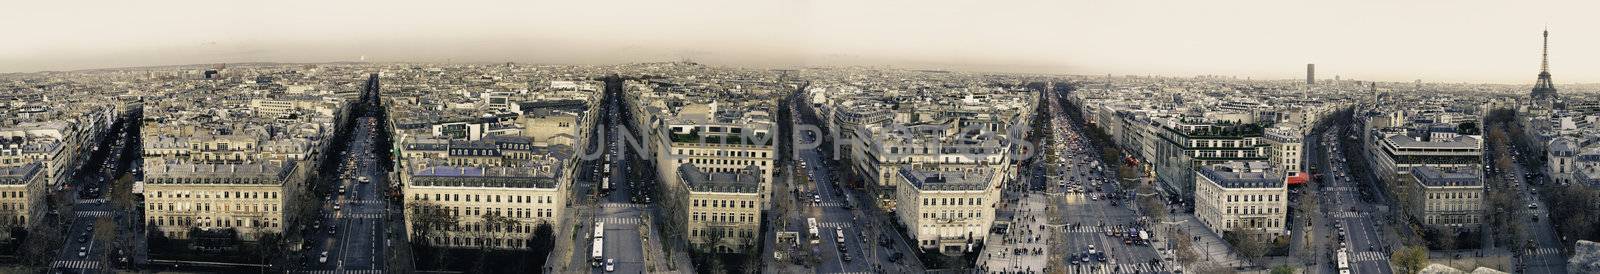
(1544, 91)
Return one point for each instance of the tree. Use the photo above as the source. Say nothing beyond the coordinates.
(490, 232)
(1410, 259)
(1283, 269)
(1249, 244)
(105, 230)
(428, 218)
(541, 242)
(269, 245)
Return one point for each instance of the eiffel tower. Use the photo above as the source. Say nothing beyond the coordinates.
(1544, 91)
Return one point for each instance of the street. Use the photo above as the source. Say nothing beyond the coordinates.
(1356, 230)
(350, 234)
(85, 249)
(1094, 218)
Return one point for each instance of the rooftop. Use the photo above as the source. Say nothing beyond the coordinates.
(747, 181)
(1433, 177)
(1243, 175)
(936, 180)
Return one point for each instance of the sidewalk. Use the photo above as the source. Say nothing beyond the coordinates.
(1025, 219)
(658, 263)
(1212, 249)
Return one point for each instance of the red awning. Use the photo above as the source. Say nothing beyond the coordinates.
(1297, 179)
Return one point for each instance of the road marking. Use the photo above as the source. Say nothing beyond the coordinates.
(97, 213)
(620, 205)
(343, 271)
(92, 201)
(1349, 214)
(353, 216)
(365, 202)
(1099, 268)
(1542, 251)
(76, 264)
(833, 224)
(620, 220)
(1365, 256)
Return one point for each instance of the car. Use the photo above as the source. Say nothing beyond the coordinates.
(83, 238)
(83, 252)
(1533, 206)
(845, 257)
(335, 207)
(323, 258)
(611, 265)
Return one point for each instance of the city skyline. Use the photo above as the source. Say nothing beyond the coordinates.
(1440, 41)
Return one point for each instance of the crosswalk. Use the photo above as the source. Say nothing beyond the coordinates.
(1369, 256)
(353, 215)
(76, 264)
(92, 201)
(1119, 268)
(343, 271)
(365, 202)
(1085, 229)
(830, 204)
(1348, 214)
(857, 272)
(96, 213)
(1542, 251)
(833, 224)
(620, 205)
(619, 220)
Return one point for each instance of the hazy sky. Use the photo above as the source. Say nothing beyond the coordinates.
(1433, 40)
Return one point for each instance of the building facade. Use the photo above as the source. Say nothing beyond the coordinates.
(719, 212)
(1447, 197)
(948, 210)
(1247, 197)
(246, 198)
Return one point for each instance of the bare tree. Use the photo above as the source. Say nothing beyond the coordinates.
(105, 230)
(428, 218)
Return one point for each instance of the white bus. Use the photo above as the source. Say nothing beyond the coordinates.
(605, 183)
(1344, 261)
(597, 252)
(815, 235)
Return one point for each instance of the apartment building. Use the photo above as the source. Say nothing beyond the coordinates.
(948, 210)
(22, 196)
(1245, 197)
(718, 211)
(716, 141)
(1187, 144)
(249, 198)
(1446, 197)
(1284, 149)
(1436, 145)
(526, 195)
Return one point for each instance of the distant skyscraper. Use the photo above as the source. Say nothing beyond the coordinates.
(1544, 91)
(1311, 74)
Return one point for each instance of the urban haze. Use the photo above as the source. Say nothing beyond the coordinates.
(829, 137)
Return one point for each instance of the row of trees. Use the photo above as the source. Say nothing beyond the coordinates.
(430, 219)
